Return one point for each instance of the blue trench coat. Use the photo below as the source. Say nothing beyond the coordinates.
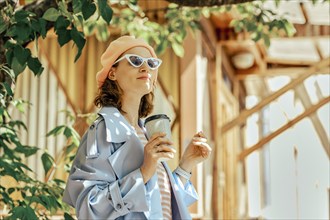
(105, 181)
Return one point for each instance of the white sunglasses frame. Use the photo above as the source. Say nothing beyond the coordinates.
(126, 56)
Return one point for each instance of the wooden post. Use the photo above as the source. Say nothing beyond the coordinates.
(214, 83)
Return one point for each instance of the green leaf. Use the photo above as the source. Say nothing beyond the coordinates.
(89, 27)
(63, 36)
(105, 11)
(45, 201)
(102, 33)
(162, 46)
(17, 66)
(20, 32)
(61, 23)
(9, 56)
(80, 19)
(79, 40)
(8, 169)
(11, 190)
(63, 8)
(88, 9)
(67, 216)
(67, 132)
(22, 54)
(35, 25)
(8, 89)
(56, 131)
(23, 32)
(76, 4)
(289, 28)
(6, 198)
(47, 162)
(21, 15)
(266, 39)
(43, 30)
(3, 25)
(22, 165)
(178, 49)
(19, 124)
(23, 212)
(51, 14)
(70, 148)
(35, 65)
(34, 199)
(26, 150)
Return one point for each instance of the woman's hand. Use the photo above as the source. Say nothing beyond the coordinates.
(197, 151)
(157, 147)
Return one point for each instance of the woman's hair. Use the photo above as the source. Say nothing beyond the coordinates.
(110, 94)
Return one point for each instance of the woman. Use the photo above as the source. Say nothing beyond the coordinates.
(116, 173)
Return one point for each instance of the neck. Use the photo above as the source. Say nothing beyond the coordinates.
(130, 105)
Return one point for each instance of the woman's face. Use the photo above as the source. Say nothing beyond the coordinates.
(135, 80)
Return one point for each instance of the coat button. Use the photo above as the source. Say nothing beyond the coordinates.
(118, 206)
(92, 126)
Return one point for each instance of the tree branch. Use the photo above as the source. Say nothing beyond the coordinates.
(207, 3)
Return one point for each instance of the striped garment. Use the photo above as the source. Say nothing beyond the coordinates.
(163, 183)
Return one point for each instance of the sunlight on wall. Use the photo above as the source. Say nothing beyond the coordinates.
(299, 166)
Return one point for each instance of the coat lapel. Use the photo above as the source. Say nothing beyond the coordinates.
(129, 155)
(118, 129)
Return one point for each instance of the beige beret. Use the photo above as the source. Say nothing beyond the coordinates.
(114, 50)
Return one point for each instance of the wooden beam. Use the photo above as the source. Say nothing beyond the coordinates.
(285, 61)
(209, 37)
(292, 72)
(302, 94)
(226, 63)
(268, 138)
(246, 113)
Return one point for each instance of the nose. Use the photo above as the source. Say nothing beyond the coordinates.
(144, 67)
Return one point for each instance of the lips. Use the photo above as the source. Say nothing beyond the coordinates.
(145, 77)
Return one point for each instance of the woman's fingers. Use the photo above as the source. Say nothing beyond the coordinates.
(200, 134)
(158, 146)
(203, 145)
(158, 139)
(164, 148)
(169, 155)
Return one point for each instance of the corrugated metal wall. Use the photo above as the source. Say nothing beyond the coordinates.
(63, 86)
(47, 99)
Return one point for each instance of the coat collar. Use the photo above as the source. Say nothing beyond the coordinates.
(118, 129)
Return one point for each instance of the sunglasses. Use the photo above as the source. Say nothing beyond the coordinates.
(137, 61)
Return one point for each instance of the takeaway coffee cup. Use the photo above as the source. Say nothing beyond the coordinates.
(158, 123)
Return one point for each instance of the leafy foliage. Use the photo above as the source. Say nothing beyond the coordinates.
(73, 20)
(36, 199)
(263, 24)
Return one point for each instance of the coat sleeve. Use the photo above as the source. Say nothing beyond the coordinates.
(187, 191)
(93, 187)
